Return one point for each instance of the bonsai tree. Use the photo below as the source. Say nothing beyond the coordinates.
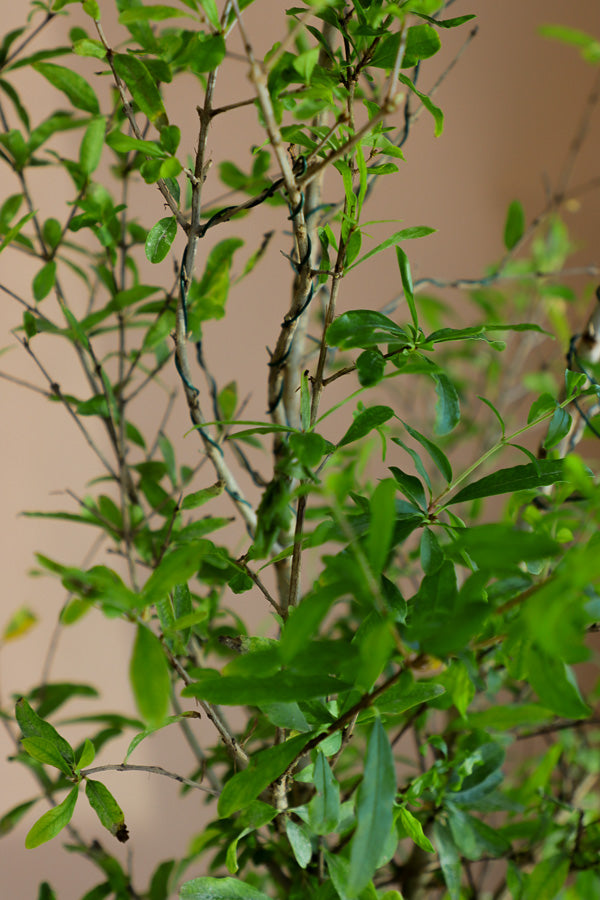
(417, 629)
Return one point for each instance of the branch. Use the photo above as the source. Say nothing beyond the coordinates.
(153, 770)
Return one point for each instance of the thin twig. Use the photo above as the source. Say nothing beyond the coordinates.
(213, 713)
(153, 770)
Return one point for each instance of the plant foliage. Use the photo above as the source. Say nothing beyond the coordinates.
(417, 630)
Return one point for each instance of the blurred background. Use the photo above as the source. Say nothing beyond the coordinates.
(513, 104)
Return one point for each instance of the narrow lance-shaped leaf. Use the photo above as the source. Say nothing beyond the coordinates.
(33, 726)
(142, 86)
(407, 284)
(449, 858)
(374, 810)
(107, 809)
(12, 818)
(52, 822)
(405, 234)
(208, 888)
(154, 13)
(515, 478)
(264, 768)
(436, 112)
(44, 280)
(299, 842)
(408, 824)
(383, 515)
(447, 407)
(241, 690)
(15, 229)
(160, 237)
(149, 675)
(365, 422)
(73, 85)
(92, 143)
(555, 685)
(438, 457)
(514, 226)
(324, 808)
(363, 328)
(46, 752)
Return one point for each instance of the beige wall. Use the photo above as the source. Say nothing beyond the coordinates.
(512, 105)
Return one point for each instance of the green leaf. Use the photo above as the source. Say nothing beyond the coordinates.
(107, 809)
(87, 755)
(154, 13)
(449, 858)
(366, 421)
(309, 448)
(87, 47)
(207, 298)
(33, 726)
(409, 826)
(324, 808)
(138, 738)
(52, 822)
(198, 498)
(210, 8)
(514, 227)
(589, 46)
(12, 818)
(485, 765)
(482, 543)
(446, 23)
(422, 42)
(299, 841)
(160, 237)
(170, 137)
(149, 675)
(45, 751)
(92, 143)
(547, 879)
(363, 328)
(432, 555)
(435, 111)
(263, 769)
(447, 408)
(142, 85)
(555, 684)
(374, 809)
(54, 694)
(45, 892)
(559, 427)
(515, 478)
(91, 8)
(207, 888)
(14, 231)
(411, 487)
(475, 838)
(406, 695)
(52, 232)
(73, 85)
(417, 231)
(124, 143)
(175, 567)
(407, 284)
(238, 690)
(19, 624)
(44, 280)
(438, 457)
(370, 367)
(381, 526)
